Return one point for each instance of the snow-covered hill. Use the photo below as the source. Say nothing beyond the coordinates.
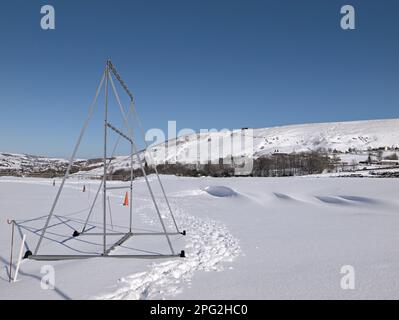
(23, 164)
(340, 136)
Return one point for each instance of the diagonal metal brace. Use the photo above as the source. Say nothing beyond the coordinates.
(119, 132)
(118, 77)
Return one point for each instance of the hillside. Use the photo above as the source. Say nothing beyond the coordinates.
(23, 164)
(351, 140)
(342, 137)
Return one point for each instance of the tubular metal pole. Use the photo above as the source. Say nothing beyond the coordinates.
(131, 188)
(92, 206)
(85, 256)
(100, 185)
(133, 111)
(105, 164)
(12, 246)
(91, 110)
(19, 257)
(126, 123)
(110, 213)
(153, 198)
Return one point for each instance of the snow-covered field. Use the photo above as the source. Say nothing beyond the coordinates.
(248, 238)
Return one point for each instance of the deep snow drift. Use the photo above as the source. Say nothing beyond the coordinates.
(276, 238)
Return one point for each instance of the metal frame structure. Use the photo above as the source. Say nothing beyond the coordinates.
(107, 81)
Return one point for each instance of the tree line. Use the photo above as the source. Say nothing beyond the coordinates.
(274, 165)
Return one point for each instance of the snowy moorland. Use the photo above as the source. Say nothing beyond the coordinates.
(335, 136)
(247, 238)
(340, 136)
(23, 163)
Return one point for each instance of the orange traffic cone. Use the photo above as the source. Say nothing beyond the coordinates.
(126, 201)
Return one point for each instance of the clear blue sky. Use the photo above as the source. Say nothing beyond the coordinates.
(206, 64)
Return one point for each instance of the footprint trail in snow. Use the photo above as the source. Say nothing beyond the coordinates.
(208, 244)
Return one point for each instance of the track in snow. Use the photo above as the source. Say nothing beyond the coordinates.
(209, 243)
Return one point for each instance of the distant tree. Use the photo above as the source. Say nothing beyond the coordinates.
(369, 160)
(353, 164)
(392, 156)
(379, 155)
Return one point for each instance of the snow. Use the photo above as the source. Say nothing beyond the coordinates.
(280, 238)
(339, 136)
(372, 171)
(29, 163)
(359, 135)
(220, 191)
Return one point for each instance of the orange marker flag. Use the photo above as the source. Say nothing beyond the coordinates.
(126, 201)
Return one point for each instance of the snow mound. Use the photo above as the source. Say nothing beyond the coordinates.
(283, 196)
(333, 200)
(364, 200)
(220, 191)
(348, 200)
